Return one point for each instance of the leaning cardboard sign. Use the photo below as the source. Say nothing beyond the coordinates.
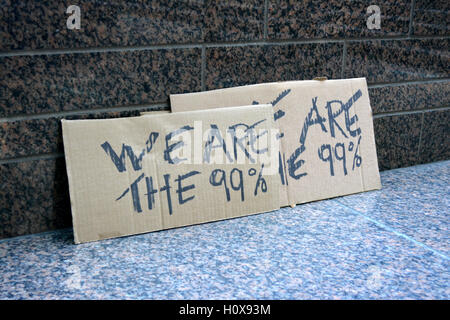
(141, 174)
(327, 145)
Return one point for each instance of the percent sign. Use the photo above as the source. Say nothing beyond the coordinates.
(327, 153)
(356, 157)
(235, 180)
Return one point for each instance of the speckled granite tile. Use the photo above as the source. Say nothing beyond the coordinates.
(397, 140)
(233, 20)
(435, 142)
(431, 17)
(234, 66)
(62, 82)
(42, 24)
(397, 60)
(407, 97)
(34, 197)
(40, 136)
(334, 19)
(30, 137)
(414, 201)
(315, 251)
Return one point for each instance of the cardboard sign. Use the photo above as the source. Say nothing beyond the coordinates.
(327, 145)
(141, 174)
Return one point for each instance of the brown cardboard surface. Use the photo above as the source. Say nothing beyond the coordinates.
(328, 146)
(119, 171)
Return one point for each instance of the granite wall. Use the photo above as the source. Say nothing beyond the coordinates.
(129, 55)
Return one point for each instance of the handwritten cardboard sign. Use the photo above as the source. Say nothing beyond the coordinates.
(141, 174)
(327, 145)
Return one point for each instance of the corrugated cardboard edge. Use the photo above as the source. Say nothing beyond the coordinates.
(72, 193)
(378, 185)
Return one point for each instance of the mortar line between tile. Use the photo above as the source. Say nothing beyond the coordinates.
(57, 114)
(198, 45)
(35, 157)
(408, 112)
(386, 227)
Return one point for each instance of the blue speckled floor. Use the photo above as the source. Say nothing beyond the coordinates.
(388, 244)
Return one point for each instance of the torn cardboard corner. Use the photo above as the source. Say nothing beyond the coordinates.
(327, 145)
(148, 173)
